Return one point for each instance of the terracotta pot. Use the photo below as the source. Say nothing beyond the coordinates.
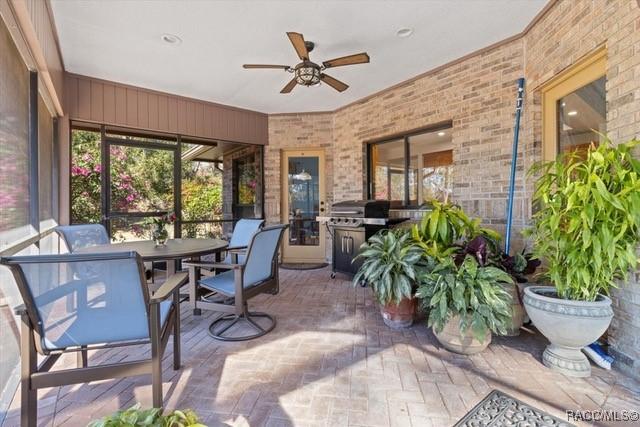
(399, 316)
(453, 340)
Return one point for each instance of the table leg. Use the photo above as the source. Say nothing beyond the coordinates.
(194, 276)
(171, 268)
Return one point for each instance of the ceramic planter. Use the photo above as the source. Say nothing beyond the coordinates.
(453, 340)
(569, 326)
(399, 316)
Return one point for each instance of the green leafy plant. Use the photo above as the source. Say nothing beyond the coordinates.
(587, 221)
(134, 417)
(469, 290)
(391, 263)
(444, 226)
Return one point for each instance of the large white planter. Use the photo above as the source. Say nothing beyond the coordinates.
(569, 326)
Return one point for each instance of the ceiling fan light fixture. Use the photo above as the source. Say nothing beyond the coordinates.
(307, 75)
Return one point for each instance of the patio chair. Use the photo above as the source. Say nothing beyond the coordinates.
(258, 274)
(82, 235)
(113, 309)
(240, 239)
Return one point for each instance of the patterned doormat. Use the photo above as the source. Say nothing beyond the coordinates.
(500, 409)
(303, 265)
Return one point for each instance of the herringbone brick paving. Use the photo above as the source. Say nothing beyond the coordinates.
(332, 362)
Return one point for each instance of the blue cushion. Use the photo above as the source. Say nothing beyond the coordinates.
(81, 332)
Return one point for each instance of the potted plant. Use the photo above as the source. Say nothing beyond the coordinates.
(446, 225)
(487, 251)
(466, 301)
(586, 227)
(391, 262)
(135, 416)
(159, 232)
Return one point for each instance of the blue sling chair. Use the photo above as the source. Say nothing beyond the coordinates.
(83, 235)
(243, 281)
(235, 253)
(80, 302)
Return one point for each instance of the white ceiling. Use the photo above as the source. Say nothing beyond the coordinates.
(119, 40)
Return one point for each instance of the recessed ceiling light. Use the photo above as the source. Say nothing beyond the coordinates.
(404, 32)
(171, 39)
(441, 133)
(572, 113)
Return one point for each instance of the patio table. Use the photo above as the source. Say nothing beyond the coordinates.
(191, 249)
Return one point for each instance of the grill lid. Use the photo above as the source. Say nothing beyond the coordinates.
(361, 209)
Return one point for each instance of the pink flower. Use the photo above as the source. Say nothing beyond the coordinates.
(97, 168)
(77, 170)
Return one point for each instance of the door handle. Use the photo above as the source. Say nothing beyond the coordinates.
(352, 244)
(343, 238)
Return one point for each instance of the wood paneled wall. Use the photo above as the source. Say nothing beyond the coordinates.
(44, 28)
(101, 101)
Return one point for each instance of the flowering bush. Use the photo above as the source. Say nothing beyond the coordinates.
(141, 181)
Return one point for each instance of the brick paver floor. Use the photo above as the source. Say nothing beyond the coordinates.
(332, 362)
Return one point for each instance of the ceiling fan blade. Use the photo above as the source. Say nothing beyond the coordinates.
(297, 40)
(283, 67)
(358, 58)
(289, 87)
(334, 83)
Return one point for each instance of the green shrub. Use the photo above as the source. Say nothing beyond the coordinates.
(135, 417)
(587, 221)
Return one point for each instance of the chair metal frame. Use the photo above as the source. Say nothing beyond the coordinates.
(36, 376)
(239, 309)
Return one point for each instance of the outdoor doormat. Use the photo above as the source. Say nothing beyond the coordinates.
(501, 410)
(303, 265)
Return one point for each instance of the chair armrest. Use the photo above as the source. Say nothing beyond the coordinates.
(220, 265)
(20, 310)
(239, 249)
(168, 287)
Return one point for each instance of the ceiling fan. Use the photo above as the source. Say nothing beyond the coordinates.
(309, 73)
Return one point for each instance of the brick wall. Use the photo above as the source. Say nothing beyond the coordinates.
(296, 131)
(478, 95)
(569, 31)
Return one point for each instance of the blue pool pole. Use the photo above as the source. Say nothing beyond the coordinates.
(514, 158)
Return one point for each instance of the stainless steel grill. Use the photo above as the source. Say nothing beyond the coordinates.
(350, 224)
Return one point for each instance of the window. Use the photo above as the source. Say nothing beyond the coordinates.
(245, 175)
(574, 107)
(581, 114)
(14, 143)
(28, 187)
(412, 170)
(86, 170)
(387, 170)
